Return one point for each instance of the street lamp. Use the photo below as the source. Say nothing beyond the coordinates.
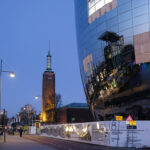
(11, 74)
(36, 97)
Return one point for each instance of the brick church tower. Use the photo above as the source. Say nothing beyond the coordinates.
(48, 93)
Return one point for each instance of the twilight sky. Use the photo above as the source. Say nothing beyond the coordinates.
(26, 26)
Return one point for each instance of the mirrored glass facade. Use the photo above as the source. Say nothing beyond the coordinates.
(114, 56)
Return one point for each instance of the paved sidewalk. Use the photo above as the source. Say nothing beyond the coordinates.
(69, 145)
(17, 143)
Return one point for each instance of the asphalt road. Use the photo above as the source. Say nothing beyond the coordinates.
(68, 145)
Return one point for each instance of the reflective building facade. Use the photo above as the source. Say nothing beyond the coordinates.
(114, 56)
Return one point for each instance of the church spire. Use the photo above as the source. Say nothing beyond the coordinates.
(49, 66)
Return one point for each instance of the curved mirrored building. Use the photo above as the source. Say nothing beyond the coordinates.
(113, 39)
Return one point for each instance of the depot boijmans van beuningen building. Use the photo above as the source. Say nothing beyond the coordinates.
(114, 56)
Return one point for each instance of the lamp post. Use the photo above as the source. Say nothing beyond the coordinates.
(37, 97)
(11, 74)
(0, 82)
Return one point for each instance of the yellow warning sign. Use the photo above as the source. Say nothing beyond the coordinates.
(119, 118)
(132, 123)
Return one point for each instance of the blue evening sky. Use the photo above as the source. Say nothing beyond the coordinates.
(26, 26)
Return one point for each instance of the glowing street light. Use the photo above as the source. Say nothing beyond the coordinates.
(11, 74)
(42, 117)
(36, 97)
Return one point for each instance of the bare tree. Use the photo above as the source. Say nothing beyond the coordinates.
(58, 104)
(58, 101)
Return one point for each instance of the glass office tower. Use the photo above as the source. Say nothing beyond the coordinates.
(114, 56)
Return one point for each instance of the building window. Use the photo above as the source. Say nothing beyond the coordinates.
(97, 8)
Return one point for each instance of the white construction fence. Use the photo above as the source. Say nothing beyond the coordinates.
(108, 133)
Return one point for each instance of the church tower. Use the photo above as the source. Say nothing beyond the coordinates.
(48, 93)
